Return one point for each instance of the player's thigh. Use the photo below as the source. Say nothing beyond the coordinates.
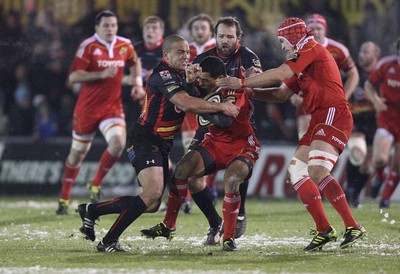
(190, 165)
(152, 181)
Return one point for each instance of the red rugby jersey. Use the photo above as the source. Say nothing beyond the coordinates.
(317, 76)
(94, 54)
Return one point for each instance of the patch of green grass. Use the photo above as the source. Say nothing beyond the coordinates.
(34, 239)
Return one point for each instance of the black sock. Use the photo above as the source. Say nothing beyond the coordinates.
(204, 201)
(352, 178)
(134, 207)
(243, 194)
(361, 182)
(108, 207)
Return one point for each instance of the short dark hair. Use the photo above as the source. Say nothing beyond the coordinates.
(398, 44)
(154, 19)
(169, 40)
(230, 22)
(104, 13)
(214, 66)
(201, 17)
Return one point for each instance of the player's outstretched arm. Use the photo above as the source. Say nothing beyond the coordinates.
(191, 104)
(82, 76)
(273, 95)
(265, 79)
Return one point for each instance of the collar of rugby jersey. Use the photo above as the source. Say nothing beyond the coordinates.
(109, 46)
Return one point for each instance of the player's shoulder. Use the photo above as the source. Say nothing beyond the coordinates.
(162, 74)
(387, 60)
(246, 51)
(248, 57)
(338, 46)
(123, 40)
(88, 41)
(85, 45)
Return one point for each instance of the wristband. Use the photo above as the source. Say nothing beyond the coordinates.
(242, 83)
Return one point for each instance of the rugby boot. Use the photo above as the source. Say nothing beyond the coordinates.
(214, 235)
(94, 193)
(112, 246)
(88, 222)
(160, 230)
(384, 204)
(351, 235)
(229, 245)
(62, 207)
(241, 225)
(321, 238)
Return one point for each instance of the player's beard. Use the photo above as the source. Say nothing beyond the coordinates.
(226, 50)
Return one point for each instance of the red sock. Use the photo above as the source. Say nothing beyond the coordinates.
(106, 162)
(188, 196)
(335, 195)
(230, 210)
(390, 185)
(311, 198)
(177, 192)
(70, 174)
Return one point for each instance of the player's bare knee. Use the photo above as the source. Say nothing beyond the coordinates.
(317, 173)
(116, 145)
(76, 155)
(154, 207)
(182, 171)
(233, 180)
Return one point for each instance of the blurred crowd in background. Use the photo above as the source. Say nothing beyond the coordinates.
(36, 53)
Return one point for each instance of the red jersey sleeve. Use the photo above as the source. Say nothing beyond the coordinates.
(300, 61)
(293, 84)
(376, 76)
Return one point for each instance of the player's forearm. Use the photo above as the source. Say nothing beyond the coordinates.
(371, 93)
(268, 78)
(272, 95)
(135, 75)
(81, 76)
(351, 83)
(199, 106)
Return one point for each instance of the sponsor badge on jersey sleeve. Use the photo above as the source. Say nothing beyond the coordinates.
(165, 75)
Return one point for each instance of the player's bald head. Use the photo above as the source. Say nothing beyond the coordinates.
(170, 40)
(373, 47)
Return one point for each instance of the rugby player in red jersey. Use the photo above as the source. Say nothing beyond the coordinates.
(312, 70)
(231, 146)
(386, 102)
(239, 61)
(99, 65)
(317, 24)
